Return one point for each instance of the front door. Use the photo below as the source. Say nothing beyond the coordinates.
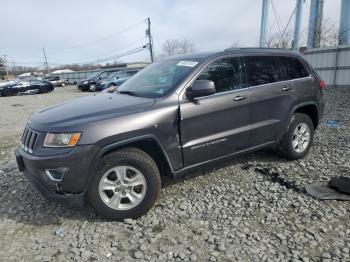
(216, 125)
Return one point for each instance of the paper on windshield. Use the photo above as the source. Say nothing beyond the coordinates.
(187, 63)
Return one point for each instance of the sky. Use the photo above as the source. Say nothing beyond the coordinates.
(77, 31)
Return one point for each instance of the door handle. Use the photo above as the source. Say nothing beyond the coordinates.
(239, 98)
(286, 88)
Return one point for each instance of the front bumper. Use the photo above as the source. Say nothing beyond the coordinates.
(84, 87)
(69, 190)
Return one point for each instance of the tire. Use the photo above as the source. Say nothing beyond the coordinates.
(63, 84)
(7, 92)
(293, 148)
(107, 184)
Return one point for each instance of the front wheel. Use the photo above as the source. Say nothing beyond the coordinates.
(126, 185)
(299, 137)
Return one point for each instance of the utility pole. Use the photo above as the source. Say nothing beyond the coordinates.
(149, 35)
(6, 67)
(315, 24)
(299, 9)
(47, 65)
(319, 23)
(344, 25)
(263, 25)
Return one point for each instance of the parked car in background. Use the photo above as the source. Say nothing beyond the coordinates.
(23, 86)
(5, 87)
(115, 79)
(113, 88)
(177, 114)
(90, 82)
(56, 80)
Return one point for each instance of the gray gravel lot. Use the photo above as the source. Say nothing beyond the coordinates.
(250, 208)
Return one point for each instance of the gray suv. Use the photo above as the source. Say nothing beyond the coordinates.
(175, 115)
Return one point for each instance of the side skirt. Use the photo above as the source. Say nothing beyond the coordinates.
(183, 171)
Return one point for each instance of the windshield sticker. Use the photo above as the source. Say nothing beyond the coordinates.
(187, 63)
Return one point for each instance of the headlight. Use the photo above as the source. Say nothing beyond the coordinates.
(61, 140)
(85, 82)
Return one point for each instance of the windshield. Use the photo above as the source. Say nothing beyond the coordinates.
(159, 78)
(113, 74)
(94, 75)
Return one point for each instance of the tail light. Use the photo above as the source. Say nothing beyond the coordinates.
(322, 84)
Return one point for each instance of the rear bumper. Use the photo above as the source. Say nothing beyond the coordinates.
(74, 167)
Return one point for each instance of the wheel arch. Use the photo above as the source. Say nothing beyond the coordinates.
(150, 144)
(309, 109)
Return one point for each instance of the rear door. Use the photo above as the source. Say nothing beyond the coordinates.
(272, 97)
(302, 80)
(216, 125)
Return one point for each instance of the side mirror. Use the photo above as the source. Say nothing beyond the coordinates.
(201, 88)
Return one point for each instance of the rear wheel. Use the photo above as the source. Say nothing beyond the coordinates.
(299, 137)
(126, 185)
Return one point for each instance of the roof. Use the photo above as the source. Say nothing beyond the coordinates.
(62, 71)
(195, 55)
(205, 55)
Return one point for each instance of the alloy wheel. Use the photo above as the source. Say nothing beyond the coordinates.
(122, 187)
(301, 137)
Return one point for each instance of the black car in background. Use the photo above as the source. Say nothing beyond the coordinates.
(23, 86)
(89, 83)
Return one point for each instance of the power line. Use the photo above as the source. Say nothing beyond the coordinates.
(99, 40)
(276, 16)
(136, 50)
(110, 52)
(290, 19)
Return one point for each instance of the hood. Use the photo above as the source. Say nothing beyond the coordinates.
(8, 84)
(84, 110)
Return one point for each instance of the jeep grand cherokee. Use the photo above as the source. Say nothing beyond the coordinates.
(176, 114)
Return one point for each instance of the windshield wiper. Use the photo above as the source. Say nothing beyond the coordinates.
(130, 93)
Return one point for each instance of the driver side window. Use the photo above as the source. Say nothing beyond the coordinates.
(226, 73)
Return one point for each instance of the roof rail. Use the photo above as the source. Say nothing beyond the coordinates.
(256, 48)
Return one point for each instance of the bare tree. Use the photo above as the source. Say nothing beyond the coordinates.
(176, 47)
(185, 46)
(170, 47)
(330, 34)
(236, 44)
(280, 40)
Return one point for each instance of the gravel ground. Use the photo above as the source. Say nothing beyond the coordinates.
(250, 208)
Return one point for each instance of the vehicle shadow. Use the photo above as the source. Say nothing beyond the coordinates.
(22, 203)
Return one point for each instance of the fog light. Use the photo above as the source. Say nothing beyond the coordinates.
(56, 174)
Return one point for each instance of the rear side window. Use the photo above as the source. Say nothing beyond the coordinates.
(293, 68)
(262, 70)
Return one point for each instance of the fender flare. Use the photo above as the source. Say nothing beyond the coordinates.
(115, 145)
(296, 107)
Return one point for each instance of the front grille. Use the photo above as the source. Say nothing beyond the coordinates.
(29, 139)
